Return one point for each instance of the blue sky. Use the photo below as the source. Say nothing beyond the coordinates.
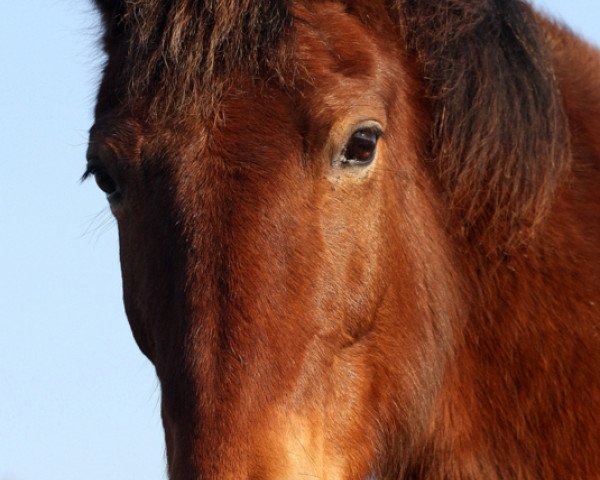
(77, 399)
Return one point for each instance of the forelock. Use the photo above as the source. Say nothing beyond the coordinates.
(174, 52)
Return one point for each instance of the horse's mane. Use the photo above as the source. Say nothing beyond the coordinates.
(499, 137)
(183, 50)
(499, 141)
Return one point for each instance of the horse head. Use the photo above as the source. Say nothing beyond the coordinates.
(310, 199)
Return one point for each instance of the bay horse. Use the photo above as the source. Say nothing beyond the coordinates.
(360, 239)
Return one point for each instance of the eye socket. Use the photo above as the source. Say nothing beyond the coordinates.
(361, 147)
(105, 182)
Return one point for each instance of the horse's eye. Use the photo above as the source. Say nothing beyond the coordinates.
(105, 182)
(360, 149)
(103, 179)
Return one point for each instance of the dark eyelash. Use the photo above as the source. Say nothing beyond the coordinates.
(86, 174)
(90, 170)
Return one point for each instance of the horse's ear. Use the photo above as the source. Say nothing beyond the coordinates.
(499, 136)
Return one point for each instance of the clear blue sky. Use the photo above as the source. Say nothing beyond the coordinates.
(77, 399)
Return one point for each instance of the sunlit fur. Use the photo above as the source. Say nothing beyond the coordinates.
(433, 315)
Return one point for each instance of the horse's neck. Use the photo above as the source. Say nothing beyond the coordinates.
(522, 396)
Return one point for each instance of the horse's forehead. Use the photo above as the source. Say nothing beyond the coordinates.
(321, 41)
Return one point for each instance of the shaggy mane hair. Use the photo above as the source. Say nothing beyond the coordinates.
(499, 139)
(176, 50)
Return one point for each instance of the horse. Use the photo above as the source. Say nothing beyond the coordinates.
(359, 239)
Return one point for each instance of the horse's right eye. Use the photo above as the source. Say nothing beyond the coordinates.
(105, 182)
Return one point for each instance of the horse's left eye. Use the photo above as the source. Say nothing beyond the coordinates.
(361, 147)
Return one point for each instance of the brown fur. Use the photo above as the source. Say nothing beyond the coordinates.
(153, 40)
(497, 112)
(434, 315)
